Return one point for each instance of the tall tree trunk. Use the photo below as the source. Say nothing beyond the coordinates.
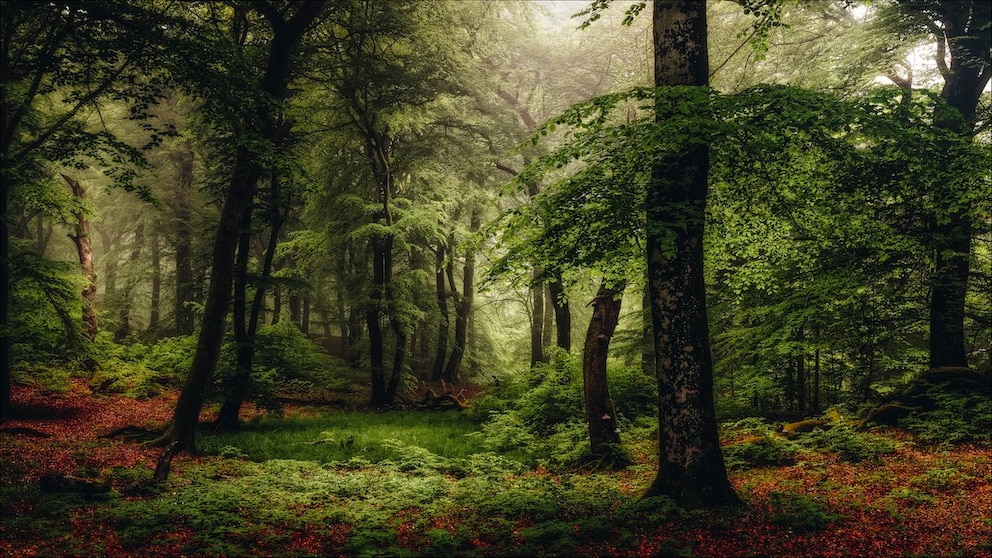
(236, 203)
(286, 35)
(239, 385)
(463, 305)
(399, 329)
(963, 31)
(81, 238)
(155, 307)
(604, 434)
(186, 287)
(537, 319)
(124, 327)
(691, 470)
(563, 314)
(444, 320)
(373, 317)
(801, 374)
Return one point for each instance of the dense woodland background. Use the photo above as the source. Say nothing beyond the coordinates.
(454, 204)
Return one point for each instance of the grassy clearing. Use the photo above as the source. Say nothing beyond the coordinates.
(374, 437)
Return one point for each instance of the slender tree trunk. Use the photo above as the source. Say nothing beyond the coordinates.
(463, 305)
(373, 318)
(186, 287)
(537, 319)
(691, 470)
(816, 381)
(236, 203)
(563, 314)
(124, 327)
(604, 434)
(81, 238)
(155, 309)
(444, 320)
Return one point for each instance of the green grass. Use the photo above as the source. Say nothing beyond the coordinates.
(376, 437)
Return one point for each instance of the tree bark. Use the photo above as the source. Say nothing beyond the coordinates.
(155, 309)
(537, 319)
(124, 327)
(186, 287)
(84, 248)
(444, 319)
(691, 470)
(604, 434)
(563, 314)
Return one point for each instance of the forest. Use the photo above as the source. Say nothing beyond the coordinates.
(496, 278)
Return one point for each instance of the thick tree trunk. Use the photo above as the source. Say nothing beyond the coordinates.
(444, 319)
(604, 434)
(691, 470)
(966, 35)
(5, 186)
(84, 247)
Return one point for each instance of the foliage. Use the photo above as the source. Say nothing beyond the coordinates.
(955, 418)
(756, 443)
(849, 444)
(800, 512)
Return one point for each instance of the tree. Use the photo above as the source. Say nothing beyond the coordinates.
(75, 55)
(961, 31)
(691, 469)
(288, 26)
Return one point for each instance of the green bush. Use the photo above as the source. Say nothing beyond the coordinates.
(956, 418)
(555, 396)
(852, 446)
(634, 393)
(760, 446)
(800, 512)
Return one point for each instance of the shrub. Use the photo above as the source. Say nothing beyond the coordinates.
(555, 396)
(852, 446)
(800, 512)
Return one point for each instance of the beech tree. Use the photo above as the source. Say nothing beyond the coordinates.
(288, 25)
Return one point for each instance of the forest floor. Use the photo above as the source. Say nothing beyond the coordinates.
(914, 501)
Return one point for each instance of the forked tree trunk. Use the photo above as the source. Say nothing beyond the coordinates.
(84, 248)
(463, 306)
(604, 434)
(245, 174)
